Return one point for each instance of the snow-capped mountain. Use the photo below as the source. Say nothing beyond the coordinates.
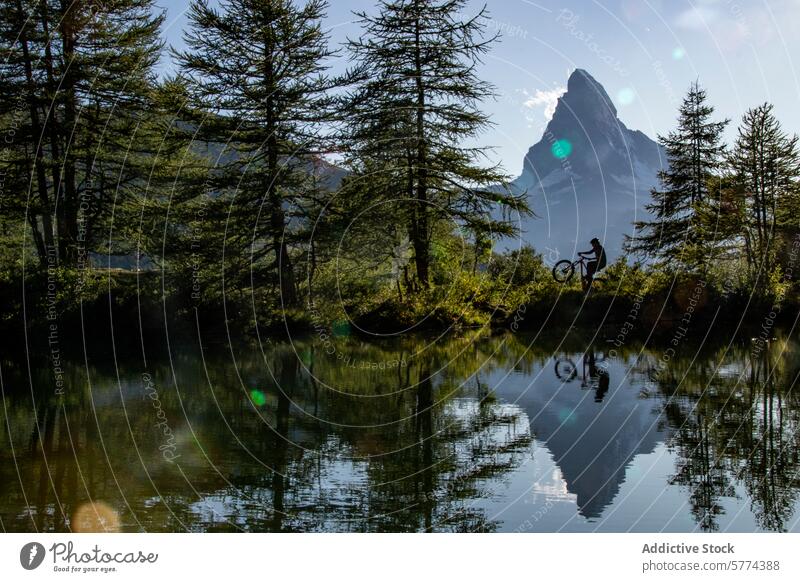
(589, 175)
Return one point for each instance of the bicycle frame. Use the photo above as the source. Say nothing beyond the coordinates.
(586, 284)
(582, 262)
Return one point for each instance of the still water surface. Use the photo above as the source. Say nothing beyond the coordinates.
(471, 433)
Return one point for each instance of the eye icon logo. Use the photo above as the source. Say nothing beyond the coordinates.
(31, 555)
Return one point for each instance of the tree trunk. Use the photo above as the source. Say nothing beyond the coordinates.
(36, 126)
(424, 430)
(288, 287)
(67, 209)
(421, 247)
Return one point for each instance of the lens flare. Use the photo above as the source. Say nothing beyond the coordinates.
(95, 517)
(258, 397)
(626, 96)
(678, 53)
(561, 149)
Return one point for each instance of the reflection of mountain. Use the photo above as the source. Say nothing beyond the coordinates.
(494, 440)
(592, 443)
(589, 175)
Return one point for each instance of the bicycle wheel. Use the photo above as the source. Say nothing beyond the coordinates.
(565, 369)
(563, 271)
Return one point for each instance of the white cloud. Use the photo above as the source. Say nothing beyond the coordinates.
(546, 99)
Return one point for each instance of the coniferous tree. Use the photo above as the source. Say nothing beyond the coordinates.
(414, 112)
(256, 74)
(77, 82)
(765, 164)
(694, 157)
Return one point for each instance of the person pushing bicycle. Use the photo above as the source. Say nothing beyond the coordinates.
(598, 253)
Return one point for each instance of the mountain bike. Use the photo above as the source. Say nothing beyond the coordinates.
(591, 376)
(564, 270)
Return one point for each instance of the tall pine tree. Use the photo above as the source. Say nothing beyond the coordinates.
(765, 164)
(77, 81)
(415, 111)
(694, 154)
(256, 73)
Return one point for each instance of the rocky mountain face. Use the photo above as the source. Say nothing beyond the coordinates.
(589, 175)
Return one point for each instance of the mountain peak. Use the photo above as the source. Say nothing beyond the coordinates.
(585, 93)
(588, 175)
(586, 120)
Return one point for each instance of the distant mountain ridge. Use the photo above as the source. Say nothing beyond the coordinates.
(588, 176)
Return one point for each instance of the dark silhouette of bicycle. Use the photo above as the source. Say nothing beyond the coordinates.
(591, 376)
(565, 369)
(564, 270)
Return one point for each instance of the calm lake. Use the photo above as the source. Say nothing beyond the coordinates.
(477, 432)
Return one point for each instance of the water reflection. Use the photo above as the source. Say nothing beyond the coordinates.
(476, 433)
(593, 375)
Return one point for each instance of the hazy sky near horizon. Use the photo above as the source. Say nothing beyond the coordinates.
(644, 52)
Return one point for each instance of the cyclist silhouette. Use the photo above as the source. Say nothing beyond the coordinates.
(598, 253)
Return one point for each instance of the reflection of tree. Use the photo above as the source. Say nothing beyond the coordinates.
(698, 469)
(426, 469)
(769, 472)
(736, 423)
(331, 444)
(324, 446)
(288, 373)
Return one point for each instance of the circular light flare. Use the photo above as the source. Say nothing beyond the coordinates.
(561, 149)
(258, 397)
(95, 517)
(626, 96)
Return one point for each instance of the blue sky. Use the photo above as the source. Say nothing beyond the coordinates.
(644, 52)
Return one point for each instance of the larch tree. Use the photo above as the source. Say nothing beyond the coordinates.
(256, 76)
(413, 116)
(77, 80)
(765, 167)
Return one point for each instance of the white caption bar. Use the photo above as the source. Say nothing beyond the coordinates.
(354, 557)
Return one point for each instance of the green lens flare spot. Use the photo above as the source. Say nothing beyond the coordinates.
(258, 397)
(678, 53)
(561, 149)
